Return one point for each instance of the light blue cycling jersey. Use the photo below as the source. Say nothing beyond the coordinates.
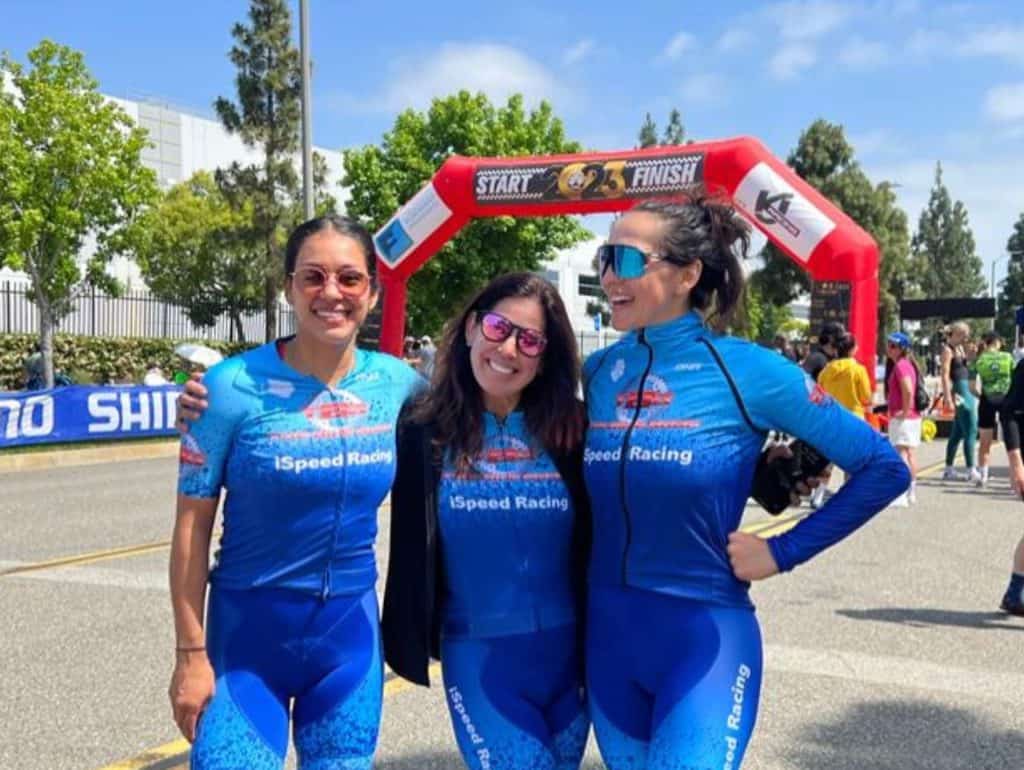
(506, 537)
(305, 467)
(669, 458)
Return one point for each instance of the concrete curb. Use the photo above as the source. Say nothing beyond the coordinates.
(66, 458)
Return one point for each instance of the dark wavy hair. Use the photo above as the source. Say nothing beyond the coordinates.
(343, 225)
(454, 404)
(703, 227)
(845, 345)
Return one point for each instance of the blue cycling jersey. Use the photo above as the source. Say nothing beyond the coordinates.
(305, 467)
(669, 458)
(506, 533)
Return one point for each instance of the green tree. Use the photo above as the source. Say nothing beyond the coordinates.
(382, 177)
(825, 159)
(70, 169)
(945, 246)
(760, 321)
(195, 250)
(266, 117)
(1011, 290)
(648, 136)
(674, 131)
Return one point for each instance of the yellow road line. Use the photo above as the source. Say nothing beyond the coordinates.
(174, 755)
(758, 527)
(87, 558)
(396, 684)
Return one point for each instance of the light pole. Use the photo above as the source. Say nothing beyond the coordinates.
(995, 262)
(307, 128)
(992, 286)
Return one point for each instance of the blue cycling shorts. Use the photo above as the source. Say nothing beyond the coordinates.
(276, 651)
(673, 682)
(516, 701)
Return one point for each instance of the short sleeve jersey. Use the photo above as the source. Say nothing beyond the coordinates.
(995, 368)
(305, 467)
(506, 537)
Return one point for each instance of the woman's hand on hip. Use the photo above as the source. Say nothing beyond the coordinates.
(750, 557)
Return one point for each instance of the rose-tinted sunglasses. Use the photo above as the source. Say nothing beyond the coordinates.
(497, 328)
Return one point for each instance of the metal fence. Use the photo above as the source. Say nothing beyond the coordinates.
(134, 314)
(592, 340)
(139, 314)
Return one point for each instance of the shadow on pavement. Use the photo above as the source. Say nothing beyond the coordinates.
(905, 734)
(922, 618)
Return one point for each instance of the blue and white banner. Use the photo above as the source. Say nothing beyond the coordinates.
(86, 413)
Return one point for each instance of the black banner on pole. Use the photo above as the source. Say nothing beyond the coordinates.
(948, 308)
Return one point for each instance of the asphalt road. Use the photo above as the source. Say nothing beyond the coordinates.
(885, 652)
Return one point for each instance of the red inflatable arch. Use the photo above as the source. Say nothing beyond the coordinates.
(795, 217)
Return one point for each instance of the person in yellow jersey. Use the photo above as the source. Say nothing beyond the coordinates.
(846, 380)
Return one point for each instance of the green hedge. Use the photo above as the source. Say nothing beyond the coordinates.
(99, 360)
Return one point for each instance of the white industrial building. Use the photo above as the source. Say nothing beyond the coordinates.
(183, 143)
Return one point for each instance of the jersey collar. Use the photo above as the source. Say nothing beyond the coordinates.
(686, 328)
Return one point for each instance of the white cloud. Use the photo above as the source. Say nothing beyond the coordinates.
(896, 7)
(497, 70)
(706, 88)
(808, 19)
(860, 54)
(578, 52)
(790, 60)
(1005, 102)
(1001, 42)
(927, 42)
(679, 45)
(736, 39)
(1004, 42)
(879, 141)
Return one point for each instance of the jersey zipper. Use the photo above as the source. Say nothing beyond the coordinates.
(524, 555)
(642, 339)
(325, 585)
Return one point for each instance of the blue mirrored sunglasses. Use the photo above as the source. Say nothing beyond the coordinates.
(627, 261)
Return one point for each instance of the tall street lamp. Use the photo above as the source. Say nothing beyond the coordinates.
(307, 127)
(995, 262)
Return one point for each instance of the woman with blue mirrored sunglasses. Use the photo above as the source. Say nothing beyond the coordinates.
(678, 415)
(627, 262)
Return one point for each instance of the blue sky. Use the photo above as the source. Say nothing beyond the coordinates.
(912, 82)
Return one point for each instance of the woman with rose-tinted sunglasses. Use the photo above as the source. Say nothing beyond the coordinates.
(490, 531)
(300, 433)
